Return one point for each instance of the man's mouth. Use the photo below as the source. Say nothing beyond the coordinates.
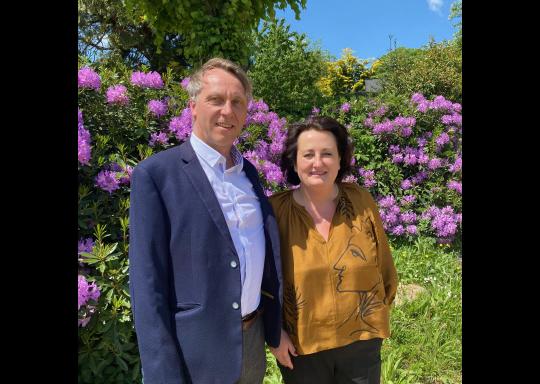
(224, 125)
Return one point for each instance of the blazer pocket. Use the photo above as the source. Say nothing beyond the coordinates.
(187, 307)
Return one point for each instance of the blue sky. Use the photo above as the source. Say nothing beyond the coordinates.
(365, 25)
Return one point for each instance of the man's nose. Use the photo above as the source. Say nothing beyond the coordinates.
(227, 108)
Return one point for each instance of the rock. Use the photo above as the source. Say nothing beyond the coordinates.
(408, 292)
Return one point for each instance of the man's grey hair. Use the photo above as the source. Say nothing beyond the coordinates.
(195, 82)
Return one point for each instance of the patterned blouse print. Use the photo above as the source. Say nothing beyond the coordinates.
(336, 291)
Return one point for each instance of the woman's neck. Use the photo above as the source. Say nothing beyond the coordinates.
(317, 196)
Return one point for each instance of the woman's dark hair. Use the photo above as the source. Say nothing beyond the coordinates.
(318, 123)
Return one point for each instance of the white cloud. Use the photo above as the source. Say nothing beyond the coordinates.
(435, 5)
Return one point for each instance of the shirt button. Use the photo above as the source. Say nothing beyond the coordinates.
(233, 264)
(235, 305)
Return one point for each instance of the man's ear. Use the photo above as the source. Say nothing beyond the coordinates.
(192, 107)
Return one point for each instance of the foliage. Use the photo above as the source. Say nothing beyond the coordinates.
(211, 28)
(106, 30)
(425, 344)
(433, 70)
(455, 13)
(286, 69)
(345, 77)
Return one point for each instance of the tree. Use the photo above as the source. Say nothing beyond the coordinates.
(285, 70)
(209, 28)
(107, 30)
(432, 70)
(455, 12)
(345, 77)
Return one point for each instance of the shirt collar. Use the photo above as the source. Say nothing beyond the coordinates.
(213, 157)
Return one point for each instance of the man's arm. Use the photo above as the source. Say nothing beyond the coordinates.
(149, 277)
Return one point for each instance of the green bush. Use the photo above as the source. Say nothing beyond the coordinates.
(285, 70)
(433, 70)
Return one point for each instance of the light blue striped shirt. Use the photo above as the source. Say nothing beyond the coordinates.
(242, 211)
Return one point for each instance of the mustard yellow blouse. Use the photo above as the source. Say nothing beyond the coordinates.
(338, 291)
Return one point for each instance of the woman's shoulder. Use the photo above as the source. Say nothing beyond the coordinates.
(280, 199)
(357, 194)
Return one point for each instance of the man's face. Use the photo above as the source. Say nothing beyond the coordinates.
(220, 110)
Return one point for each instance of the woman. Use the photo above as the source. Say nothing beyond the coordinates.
(339, 276)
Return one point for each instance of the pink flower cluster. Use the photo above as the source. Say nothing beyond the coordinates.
(88, 295)
(147, 80)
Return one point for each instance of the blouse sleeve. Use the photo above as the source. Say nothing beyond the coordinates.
(388, 269)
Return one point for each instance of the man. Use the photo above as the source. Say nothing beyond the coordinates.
(204, 247)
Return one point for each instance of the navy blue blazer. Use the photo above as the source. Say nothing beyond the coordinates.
(182, 281)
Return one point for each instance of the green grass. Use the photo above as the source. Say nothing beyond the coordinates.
(425, 345)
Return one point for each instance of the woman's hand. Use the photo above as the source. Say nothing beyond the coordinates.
(282, 351)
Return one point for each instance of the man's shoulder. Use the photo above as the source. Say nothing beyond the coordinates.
(165, 159)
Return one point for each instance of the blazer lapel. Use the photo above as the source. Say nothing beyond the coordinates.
(202, 186)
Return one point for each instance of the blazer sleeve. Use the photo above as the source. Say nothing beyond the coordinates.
(149, 279)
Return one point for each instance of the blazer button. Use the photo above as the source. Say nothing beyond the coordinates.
(235, 305)
(233, 264)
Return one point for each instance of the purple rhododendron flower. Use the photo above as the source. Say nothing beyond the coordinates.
(418, 98)
(107, 181)
(384, 127)
(443, 221)
(345, 107)
(419, 177)
(442, 139)
(435, 163)
(408, 199)
(408, 217)
(380, 111)
(411, 229)
(422, 106)
(406, 184)
(440, 103)
(185, 82)
(455, 185)
(125, 177)
(350, 179)
(454, 119)
(456, 167)
(83, 141)
(315, 111)
(387, 201)
(406, 131)
(272, 172)
(410, 159)
(398, 230)
(117, 94)
(157, 107)
(87, 291)
(147, 80)
(88, 78)
(257, 106)
(180, 126)
(86, 245)
(369, 122)
(160, 138)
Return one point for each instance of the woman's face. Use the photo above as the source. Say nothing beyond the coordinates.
(317, 158)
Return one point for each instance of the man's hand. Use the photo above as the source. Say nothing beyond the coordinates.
(282, 351)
